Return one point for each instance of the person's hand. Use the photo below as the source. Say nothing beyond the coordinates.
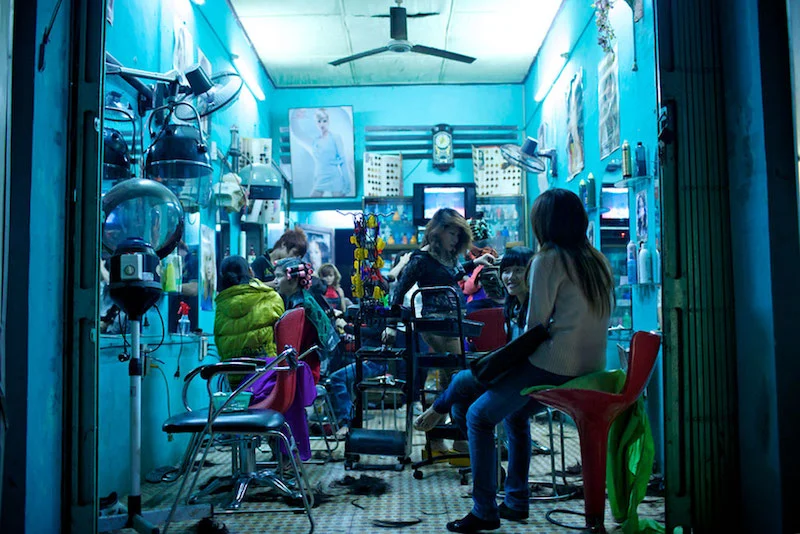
(389, 336)
(485, 260)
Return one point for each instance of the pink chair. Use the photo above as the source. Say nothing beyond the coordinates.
(593, 412)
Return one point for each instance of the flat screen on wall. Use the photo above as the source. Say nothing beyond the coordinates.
(429, 198)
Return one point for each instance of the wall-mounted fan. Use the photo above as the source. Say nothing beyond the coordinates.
(527, 157)
(399, 41)
(223, 89)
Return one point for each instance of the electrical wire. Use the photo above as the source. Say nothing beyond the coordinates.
(122, 332)
(414, 169)
(163, 329)
(166, 384)
(180, 352)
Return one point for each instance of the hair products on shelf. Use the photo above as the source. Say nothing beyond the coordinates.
(582, 193)
(631, 253)
(591, 192)
(645, 271)
(641, 160)
(627, 164)
(657, 265)
(627, 323)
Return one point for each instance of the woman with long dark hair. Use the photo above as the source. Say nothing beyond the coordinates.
(570, 292)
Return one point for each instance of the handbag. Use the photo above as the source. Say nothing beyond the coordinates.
(493, 366)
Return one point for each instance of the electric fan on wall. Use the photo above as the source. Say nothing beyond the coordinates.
(527, 157)
(398, 19)
(223, 88)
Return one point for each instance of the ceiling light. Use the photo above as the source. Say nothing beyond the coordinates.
(248, 77)
(198, 2)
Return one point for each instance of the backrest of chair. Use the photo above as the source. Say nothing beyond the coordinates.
(493, 335)
(643, 354)
(290, 328)
(282, 395)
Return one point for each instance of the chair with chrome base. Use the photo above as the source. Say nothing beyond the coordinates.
(248, 426)
(593, 412)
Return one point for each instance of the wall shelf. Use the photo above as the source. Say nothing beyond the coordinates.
(633, 182)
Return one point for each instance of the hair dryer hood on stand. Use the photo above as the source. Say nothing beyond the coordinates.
(143, 223)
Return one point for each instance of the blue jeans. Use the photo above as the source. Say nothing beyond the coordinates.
(477, 410)
(341, 384)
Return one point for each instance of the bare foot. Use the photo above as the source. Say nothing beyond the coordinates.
(429, 419)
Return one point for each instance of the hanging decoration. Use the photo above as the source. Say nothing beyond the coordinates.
(605, 32)
(367, 280)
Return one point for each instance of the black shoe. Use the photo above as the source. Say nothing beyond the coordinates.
(538, 448)
(511, 514)
(472, 523)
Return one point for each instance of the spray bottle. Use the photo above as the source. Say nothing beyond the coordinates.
(591, 192)
(631, 253)
(183, 323)
(627, 163)
(645, 272)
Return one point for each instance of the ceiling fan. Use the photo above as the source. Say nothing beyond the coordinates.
(399, 41)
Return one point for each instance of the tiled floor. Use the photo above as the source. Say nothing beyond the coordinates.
(434, 500)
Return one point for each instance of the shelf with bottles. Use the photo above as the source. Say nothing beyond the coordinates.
(619, 333)
(397, 227)
(504, 215)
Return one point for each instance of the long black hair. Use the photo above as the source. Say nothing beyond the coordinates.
(513, 309)
(233, 271)
(559, 223)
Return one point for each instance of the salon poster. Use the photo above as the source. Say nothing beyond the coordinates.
(575, 158)
(608, 104)
(208, 268)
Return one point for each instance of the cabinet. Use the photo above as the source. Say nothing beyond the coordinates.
(506, 218)
(397, 227)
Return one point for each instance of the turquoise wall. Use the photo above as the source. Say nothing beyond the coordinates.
(574, 33)
(46, 290)
(400, 106)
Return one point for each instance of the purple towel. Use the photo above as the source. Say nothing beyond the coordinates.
(296, 414)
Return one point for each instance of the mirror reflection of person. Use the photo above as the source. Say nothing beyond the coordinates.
(327, 149)
(191, 268)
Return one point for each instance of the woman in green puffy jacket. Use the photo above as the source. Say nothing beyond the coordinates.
(247, 310)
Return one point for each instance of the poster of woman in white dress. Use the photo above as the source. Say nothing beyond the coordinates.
(322, 147)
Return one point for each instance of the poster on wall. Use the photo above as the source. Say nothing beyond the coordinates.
(657, 212)
(641, 215)
(321, 142)
(208, 266)
(320, 245)
(575, 160)
(608, 103)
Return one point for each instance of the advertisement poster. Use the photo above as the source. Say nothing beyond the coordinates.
(575, 157)
(608, 104)
(322, 143)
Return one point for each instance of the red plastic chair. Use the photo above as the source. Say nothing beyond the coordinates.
(493, 335)
(593, 412)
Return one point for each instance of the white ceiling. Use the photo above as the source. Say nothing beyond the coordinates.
(296, 39)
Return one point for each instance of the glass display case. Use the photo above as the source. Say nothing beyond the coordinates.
(397, 227)
(506, 218)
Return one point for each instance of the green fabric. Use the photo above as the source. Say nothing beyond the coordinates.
(630, 453)
(245, 316)
(326, 334)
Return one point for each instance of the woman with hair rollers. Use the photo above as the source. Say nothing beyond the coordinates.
(571, 292)
(293, 280)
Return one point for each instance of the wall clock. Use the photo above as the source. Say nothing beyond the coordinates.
(442, 147)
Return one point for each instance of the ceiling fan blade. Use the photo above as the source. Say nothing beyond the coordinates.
(398, 24)
(368, 53)
(428, 51)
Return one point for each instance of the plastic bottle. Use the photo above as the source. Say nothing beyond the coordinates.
(627, 164)
(626, 321)
(641, 160)
(183, 323)
(583, 193)
(657, 265)
(645, 270)
(631, 267)
(591, 192)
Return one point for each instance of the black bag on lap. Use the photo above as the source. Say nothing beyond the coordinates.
(490, 368)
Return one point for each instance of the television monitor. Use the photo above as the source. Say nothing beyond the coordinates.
(429, 198)
(614, 204)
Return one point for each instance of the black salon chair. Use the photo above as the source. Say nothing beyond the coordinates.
(245, 428)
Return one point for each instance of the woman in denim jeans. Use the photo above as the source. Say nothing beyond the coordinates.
(571, 291)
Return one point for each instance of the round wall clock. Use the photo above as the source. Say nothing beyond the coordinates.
(442, 147)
